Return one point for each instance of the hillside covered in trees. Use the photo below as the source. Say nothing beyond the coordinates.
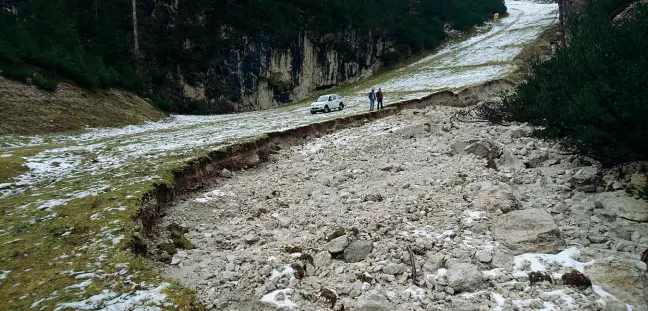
(148, 46)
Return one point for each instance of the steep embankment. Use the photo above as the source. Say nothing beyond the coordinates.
(25, 109)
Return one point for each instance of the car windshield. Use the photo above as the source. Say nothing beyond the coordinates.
(323, 98)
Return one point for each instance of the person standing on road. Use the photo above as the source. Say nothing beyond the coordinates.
(379, 97)
(372, 99)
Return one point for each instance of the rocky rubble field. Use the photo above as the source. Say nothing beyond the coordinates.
(336, 223)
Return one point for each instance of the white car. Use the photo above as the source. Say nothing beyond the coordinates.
(327, 103)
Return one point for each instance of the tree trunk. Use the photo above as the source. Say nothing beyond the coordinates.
(135, 34)
(562, 11)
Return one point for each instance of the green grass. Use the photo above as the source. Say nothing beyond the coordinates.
(35, 258)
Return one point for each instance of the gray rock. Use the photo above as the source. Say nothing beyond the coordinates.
(284, 222)
(269, 225)
(250, 238)
(502, 258)
(374, 197)
(322, 259)
(226, 173)
(528, 231)
(459, 304)
(596, 238)
(394, 168)
(519, 133)
(621, 277)
(484, 255)
(373, 301)
(338, 244)
(464, 277)
(507, 159)
(559, 208)
(484, 149)
(537, 158)
(624, 206)
(586, 179)
(357, 251)
(395, 269)
(433, 263)
(496, 199)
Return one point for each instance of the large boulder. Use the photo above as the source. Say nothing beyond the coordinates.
(528, 231)
(373, 301)
(464, 277)
(357, 251)
(624, 206)
(484, 149)
(623, 278)
(480, 148)
(508, 160)
(586, 179)
(537, 158)
(496, 199)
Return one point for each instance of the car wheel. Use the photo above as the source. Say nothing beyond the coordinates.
(326, 109)
(313, 112)
(341, 106)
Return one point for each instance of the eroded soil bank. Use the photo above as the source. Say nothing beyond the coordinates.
(475, 207)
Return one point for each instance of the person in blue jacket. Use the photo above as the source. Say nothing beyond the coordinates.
(372, 99)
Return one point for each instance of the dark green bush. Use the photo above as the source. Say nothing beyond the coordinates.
(594, 92)
(15, 72)
(48, 81)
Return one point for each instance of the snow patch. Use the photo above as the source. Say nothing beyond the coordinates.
(472, 216)
(416, 292)
(52, 203)
(4, 274)
(108, 300)
(279, 298)
(287, 271)
(212, 195)
(538, 262)
(81, 285)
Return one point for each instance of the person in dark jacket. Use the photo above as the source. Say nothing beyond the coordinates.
(379, 98)
(372, 99)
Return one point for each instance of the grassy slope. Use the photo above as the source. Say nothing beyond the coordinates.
(25, 109)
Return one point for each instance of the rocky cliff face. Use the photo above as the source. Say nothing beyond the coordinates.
(261, 71)
(261, 75)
